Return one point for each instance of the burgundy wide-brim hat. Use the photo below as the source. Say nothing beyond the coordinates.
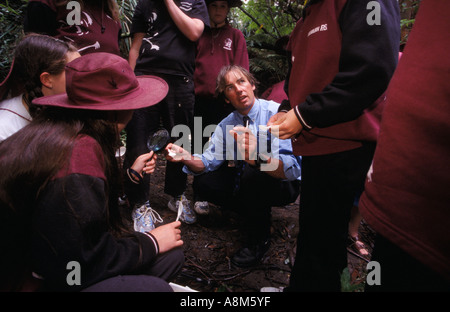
(104, 81)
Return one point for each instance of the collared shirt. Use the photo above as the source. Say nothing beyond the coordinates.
(222, 145)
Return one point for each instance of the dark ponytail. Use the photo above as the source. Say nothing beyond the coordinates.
(33, 55)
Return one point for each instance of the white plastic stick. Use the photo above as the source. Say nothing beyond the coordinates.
(180, 209)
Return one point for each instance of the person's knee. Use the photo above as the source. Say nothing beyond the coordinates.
(169, 264)
(178, 257)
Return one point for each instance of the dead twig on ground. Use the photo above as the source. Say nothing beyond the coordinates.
(232, 276)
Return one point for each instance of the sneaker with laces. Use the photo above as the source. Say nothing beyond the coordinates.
(187, 216)
(201, 207)
(145, 217)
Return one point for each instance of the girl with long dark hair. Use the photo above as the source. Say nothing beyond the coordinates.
(59, 189)
(37, 70)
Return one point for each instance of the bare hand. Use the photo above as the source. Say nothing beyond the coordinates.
(168, 236)
(285, 125)
(246, 143)
(274, 118)
(145, 163)
(175, 153)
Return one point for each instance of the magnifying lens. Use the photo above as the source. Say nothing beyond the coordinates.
(158, 141)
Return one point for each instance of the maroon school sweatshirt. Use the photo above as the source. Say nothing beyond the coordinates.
(407, 193)
(341, 65)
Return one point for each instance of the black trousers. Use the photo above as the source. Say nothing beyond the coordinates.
(211, 110)
(258, 192)
(399, 271)
(329, 185)
(176, 109)
(164, 269)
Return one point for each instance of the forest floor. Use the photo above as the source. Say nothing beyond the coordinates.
(213, 239)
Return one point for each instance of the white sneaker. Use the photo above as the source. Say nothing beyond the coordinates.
(201, 207)
(145, 217)
(187, 216)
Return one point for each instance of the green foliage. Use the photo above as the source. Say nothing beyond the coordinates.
(263, 23)
(275, 18)
(11, 31)
(408, 11)
(347, 285)
(266, 64)
(126, 10)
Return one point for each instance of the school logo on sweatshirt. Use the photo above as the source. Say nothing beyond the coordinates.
(323, 27)
(227, 44)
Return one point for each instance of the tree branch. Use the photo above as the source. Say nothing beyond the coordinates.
(254, 20)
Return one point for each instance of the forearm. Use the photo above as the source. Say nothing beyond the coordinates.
(134, 49)
(194, 164)
(192, 28)
(175, 153)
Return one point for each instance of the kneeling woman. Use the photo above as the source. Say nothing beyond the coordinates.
(59, 189)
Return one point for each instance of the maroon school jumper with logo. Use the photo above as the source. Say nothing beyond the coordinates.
(97, 32)
(316, 51)
(407, 193)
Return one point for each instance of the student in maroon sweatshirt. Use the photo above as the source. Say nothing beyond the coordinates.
(343, 54)
(98, 30)
(219, 45)
(406, 198)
